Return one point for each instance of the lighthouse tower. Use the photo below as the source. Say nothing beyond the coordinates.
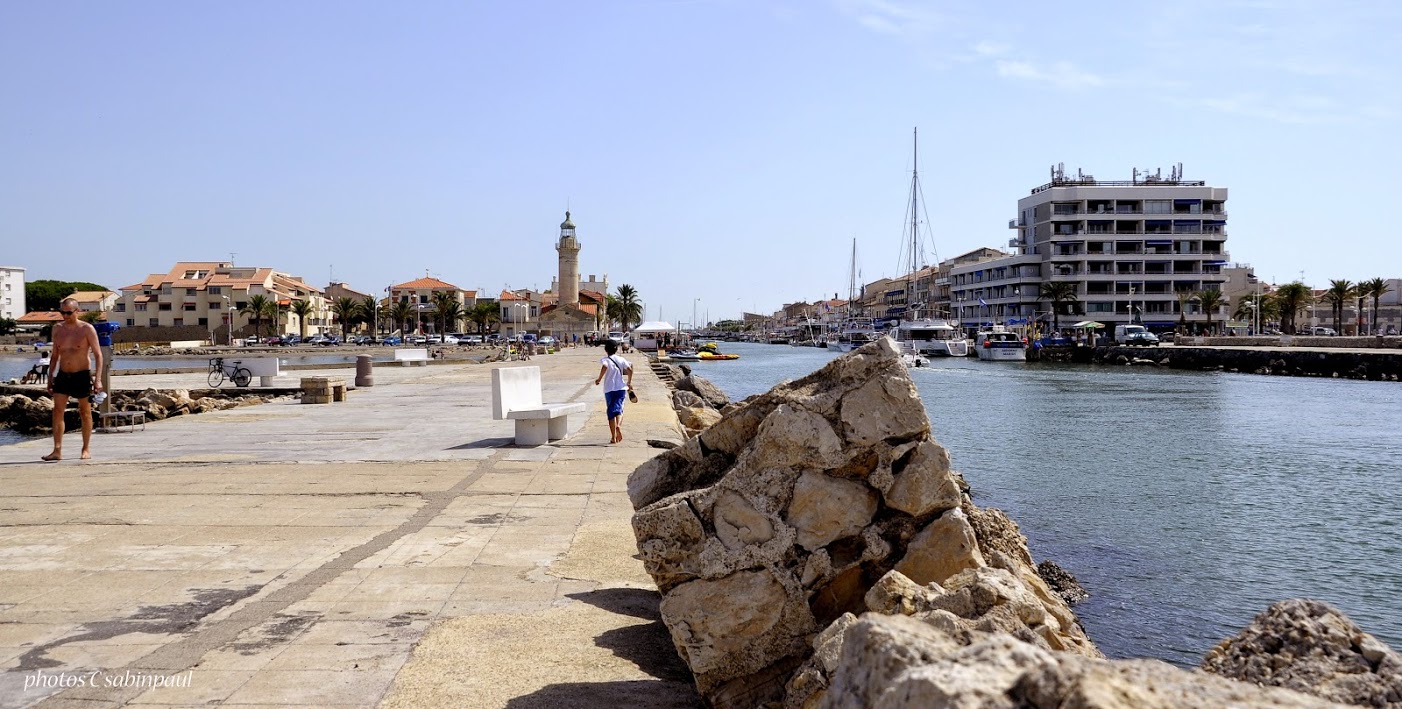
(569, 264)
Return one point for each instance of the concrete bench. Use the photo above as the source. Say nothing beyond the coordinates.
(411, 355)
(265, 368)
(516, 396)
(115, 420)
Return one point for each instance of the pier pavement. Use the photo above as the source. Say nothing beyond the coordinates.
(391, 550)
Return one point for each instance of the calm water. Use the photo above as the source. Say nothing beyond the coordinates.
(1185, 503)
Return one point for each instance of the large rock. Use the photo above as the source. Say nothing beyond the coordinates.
(1311, 647)
(710, 393)
(778, 519)
(895, 662)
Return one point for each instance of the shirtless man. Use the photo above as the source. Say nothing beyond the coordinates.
(72, 374)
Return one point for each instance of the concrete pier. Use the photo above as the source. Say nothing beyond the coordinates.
(392, 549)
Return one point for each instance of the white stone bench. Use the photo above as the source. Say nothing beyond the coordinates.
(265, 368)
(516, 396)
(411, 356)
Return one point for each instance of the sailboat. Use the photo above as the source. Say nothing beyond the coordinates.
(856, 330)
(918, 336)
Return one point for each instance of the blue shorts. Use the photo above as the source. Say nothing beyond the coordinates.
(614, 401)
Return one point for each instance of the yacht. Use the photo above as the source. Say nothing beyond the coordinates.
(1000, 345)
(855, 333)
(930, 337)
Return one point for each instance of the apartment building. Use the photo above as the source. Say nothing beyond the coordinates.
(1130, 250)
(12, 292)
(208, 294)
(420, 293)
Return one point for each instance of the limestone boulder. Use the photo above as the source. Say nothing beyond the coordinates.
(777, 520)
(1311, 647)
(686, 400)
(896, 662)
(697, 418)
(710, 393)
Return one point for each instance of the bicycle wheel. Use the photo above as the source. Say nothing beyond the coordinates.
(242, 376)
(216, 377)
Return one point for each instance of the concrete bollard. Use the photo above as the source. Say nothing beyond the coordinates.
(364, 371)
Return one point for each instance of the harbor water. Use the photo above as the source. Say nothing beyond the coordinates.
(1186, 503)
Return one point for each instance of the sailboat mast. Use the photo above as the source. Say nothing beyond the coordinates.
(914, 227)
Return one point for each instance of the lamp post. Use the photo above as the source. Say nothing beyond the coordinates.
(229, 306)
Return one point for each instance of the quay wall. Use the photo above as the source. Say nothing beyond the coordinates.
(1349, 364)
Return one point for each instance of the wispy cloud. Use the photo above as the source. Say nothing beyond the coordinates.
(892, 17)
(1294, 109)
(1063, 75)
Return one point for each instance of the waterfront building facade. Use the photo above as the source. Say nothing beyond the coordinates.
(1133, 251)
(211, 294)
(420, 294)
(12, 303)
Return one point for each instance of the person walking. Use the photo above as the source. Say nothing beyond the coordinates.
(76, 356)
(613, 370)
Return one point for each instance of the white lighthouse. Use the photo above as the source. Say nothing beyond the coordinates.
(569, 264)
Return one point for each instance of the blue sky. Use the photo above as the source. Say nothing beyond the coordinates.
(716, 154)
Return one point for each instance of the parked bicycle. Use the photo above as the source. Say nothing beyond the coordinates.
(218, 372)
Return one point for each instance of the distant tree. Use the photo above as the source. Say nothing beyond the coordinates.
(483, 315)
(1249, 305)
(46, 294)
(630, 308)
(302, 308)
(1291, 300)
(448, 311)
(1183, 297)
(346, 309)
(1338, 295)
(402, 312)
(8, 326)
(369, 311)
(1209, 301)
(1377, 288)
(257, 308)
(91, 316)
(1058, 292)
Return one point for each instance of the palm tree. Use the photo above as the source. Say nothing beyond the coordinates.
(1338, 294)
(447, 309)
(401, 312)
(369, 311)
(258, 307)
(1292, 299)
(1209, 301)
(302, 308)
(1183, 297)
(1257, 309)
(1057, 292)
(630, 309)
(1377, 288)
(483, 315)
(346, 309)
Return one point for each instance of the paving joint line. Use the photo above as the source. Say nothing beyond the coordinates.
(183, 654)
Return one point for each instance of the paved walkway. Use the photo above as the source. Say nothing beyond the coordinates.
(394, 549)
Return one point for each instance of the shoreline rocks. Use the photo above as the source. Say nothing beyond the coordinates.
(31, 413)
(813, 548)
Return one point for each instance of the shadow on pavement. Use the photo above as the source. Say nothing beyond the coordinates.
(647, 646)
(485, 443)
(610, 695)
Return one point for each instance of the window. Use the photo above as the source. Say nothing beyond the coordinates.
(1158, 206)
(140, 307)
(120, 307)
(131, 322)
(216, 290)
(188, 307)
(164, 306)
(153, 322)
(204, 322)
(179, 322)
(189, 291)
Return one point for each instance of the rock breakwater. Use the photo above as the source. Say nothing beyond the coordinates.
(31, 412)
(813, 548)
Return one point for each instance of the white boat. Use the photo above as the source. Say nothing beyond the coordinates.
(911, 360)
(999, 345)
(917, 335)
(855, 333)
(931, 337)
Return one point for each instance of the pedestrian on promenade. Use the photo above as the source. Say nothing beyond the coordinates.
(612, 371)
(76, 356)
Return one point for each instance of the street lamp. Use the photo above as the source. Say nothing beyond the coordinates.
(230, 307)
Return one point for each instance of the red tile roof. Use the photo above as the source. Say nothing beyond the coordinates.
(41, 316)
(426, 283)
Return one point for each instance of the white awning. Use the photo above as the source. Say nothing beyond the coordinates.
(655, 326)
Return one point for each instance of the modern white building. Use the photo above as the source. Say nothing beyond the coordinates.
(12, 292)
(1132, 250)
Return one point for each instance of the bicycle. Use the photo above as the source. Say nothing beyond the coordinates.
(218, 372)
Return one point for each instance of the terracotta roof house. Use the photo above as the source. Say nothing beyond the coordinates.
(206, 294)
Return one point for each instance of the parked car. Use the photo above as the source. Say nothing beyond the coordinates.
(290, 340)
(363, 340)
(470, 340)
(251, 340)
(1322, 332)
(617, 337)
(392, 340)
(1167, 336)
(330, 341)
(1141, 339)
(547, 341)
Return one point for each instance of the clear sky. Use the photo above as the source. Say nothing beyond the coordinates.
(721, 150)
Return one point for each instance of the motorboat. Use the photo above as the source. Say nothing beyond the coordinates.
(912, 360)
(930, 337)
(855, 333)
(1000, 345)
(684, 355)
(708, 356)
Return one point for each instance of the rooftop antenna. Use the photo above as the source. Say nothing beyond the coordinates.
(232, 254)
